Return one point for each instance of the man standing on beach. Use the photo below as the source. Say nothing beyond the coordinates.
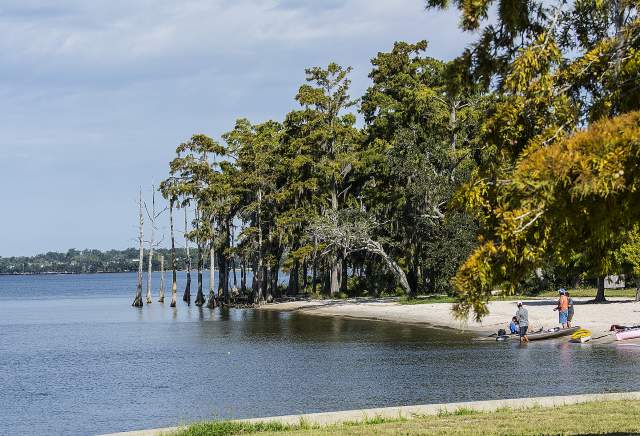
(563, 308)
(523, 321)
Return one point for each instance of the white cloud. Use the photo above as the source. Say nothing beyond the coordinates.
(96, 94)
(108, 38)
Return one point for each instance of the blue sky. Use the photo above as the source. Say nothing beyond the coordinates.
(96, 94)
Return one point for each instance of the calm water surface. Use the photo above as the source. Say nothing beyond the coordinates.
(75, 358)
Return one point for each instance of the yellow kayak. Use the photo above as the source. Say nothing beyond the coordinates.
(581, 336)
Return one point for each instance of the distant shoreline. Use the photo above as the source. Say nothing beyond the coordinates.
(67, 273)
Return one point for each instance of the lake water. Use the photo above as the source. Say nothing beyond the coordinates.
(76, 358)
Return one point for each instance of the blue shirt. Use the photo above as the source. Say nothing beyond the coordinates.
(514, 328)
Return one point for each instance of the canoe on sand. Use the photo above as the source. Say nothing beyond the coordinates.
(552, 334)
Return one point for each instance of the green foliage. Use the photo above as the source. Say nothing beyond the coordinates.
(553, 186)
(421, 132)
(511, 166)
(398, 173)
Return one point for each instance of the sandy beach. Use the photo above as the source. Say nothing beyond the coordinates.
(596, 317)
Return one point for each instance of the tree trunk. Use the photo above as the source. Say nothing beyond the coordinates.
(212, 268)
(200, 262)
(161, 292)
(637, 290)
(222, 268)
(151, 242)
(314, 267)
(335, 267)
(174, 266)
(275, 292)
(412, 279)
(267, 284)
(335, 278)
(345, 275)
(376, 247)
(200, 295)
(305, 275)
(257, 273)
(314, 278)
(243, 275)
(187, 290)
(600, 298)
(137, 301)
(326, 279)
(292, 288)
(233, 258)
(226, 264)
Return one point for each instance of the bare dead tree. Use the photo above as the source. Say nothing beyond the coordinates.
(152, 217)
(174, 267)
(153, 244)
(350, 231)
(257, 275)
(199, 265)
(137, 302)
(161, 292)
(187, 290)
(211, 304)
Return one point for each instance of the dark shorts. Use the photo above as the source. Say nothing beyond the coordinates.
(523, 330)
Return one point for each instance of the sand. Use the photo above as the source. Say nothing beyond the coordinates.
(596, 317)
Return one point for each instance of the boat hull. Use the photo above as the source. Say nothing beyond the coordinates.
(627, 334)
(550, 335)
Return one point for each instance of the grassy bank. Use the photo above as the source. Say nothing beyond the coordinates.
(591, 292)
(603, 417)
(581, 292)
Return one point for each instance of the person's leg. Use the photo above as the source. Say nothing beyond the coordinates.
(570, 318)
(523, 334)
(563, 318)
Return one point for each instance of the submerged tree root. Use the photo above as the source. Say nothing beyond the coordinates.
(137, 302)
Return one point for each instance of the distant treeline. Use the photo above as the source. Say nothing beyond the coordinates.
(86, 261)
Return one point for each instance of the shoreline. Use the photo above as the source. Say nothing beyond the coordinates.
(596, 317)
(322, 310)
(408, 412)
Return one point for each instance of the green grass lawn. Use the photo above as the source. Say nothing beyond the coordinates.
(581, 292)
(591, 292)
(427, 299)
(432, 299)
(595, 418)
